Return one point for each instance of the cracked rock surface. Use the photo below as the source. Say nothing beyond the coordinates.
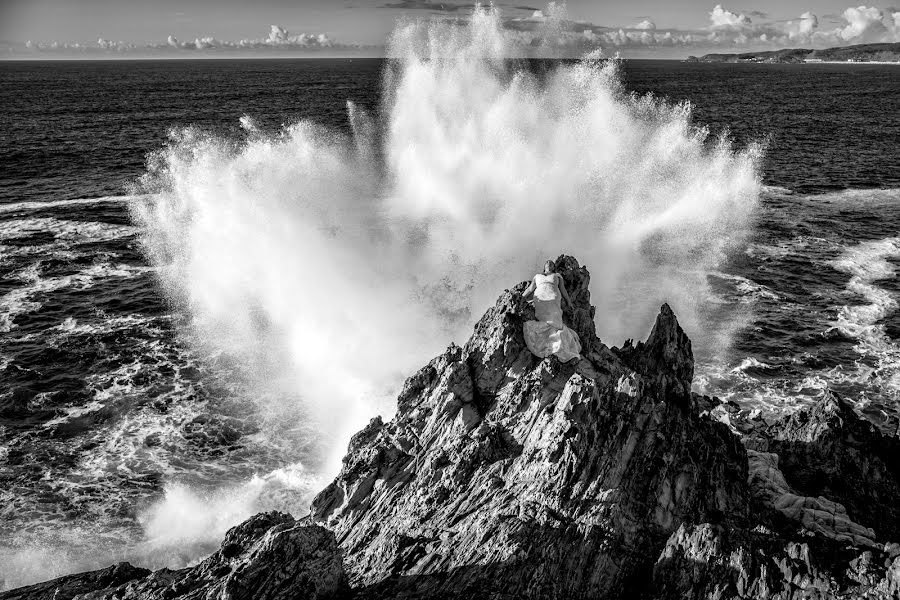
(506, 476)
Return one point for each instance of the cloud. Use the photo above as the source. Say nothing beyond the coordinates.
(722, 18)
(727, 31)
(448, 7)
(545, 32)
(864, 23)
(278, 39)
(807, 24)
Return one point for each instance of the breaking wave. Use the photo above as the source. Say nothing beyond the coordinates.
(334, 265)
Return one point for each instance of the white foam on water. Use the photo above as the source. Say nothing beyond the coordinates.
(72, 327)
(860, 197)
(11, 207)
(775, 190)
(746, 290)
(867, 263)
(63, 230)
(21, 300)
(751, 363)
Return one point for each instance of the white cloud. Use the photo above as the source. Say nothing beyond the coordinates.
(863, 23)
(550, 31)
(721, 18)
(807, 24)
(278, 38)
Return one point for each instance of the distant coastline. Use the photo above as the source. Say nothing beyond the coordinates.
(858, 54)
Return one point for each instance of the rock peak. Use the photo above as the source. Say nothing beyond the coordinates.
(497, 460)
(666, 357)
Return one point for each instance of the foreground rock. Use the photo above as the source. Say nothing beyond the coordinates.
(506, 476)
(828, 451)
(269, 556)
(71, 586)
(711, 562)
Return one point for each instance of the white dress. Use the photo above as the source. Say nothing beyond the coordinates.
(548, 335)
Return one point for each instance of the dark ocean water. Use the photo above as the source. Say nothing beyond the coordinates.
(104, 405)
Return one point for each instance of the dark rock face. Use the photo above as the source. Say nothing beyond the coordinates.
(70, 586)
(713, 562)
(269, 556)
(503, 475)
(827, 450)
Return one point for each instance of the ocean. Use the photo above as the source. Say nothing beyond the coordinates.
(212, 272)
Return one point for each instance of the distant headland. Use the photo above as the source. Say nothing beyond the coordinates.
(860, 53)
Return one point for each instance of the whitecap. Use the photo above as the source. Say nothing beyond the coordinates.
(14, 207)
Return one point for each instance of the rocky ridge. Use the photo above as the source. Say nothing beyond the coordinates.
(503, 475)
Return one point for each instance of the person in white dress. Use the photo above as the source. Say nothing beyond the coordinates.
(548, 334)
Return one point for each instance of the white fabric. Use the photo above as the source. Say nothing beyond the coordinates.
(548, 335)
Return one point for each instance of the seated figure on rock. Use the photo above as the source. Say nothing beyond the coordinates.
(548, 334)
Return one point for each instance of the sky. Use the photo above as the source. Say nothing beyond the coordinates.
(640, 28)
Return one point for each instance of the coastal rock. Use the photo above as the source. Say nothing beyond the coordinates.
(815, 514)
(827, 451)
(506, 476)
(711, 562)
(72, 586)
(269, 556)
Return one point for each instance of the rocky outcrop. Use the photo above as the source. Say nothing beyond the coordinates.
(824, 488)
(72, 586)
(269, 556)
(816, 514)
(711, 562)
(828, 451)
(504, 475)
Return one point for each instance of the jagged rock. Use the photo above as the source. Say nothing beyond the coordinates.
(819, 514)
(827, 451)
(269, 556)
(70, 586)
(504, 475)
(711, 562)
(665, 358)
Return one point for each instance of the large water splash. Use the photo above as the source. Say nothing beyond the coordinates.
(334, 265)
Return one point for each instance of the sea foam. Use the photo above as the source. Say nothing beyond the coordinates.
(345, 263)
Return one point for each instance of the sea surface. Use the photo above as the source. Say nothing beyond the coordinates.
(107, 406)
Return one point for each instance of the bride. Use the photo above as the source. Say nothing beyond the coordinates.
(548, 335)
